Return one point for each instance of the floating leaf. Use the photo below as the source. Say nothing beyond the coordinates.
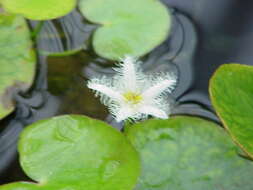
(39, 9)
(75, 153)
(129, 27)
(231, 90)
(187, 153)
(17, 60)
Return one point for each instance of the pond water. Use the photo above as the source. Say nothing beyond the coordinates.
(195, 49)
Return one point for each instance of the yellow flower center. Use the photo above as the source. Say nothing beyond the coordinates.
(132, 98)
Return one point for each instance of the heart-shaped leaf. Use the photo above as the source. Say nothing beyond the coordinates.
(17, 60)
(39, 9)
(76, 153)
(231, 90)
(187, 153)
(129, 27)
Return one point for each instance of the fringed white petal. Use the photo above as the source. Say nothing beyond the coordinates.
(123, 114)
(129, 73)
(129, 76)
(104, 90)
(159, 87)
(153, 111)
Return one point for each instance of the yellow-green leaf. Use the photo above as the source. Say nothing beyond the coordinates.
(188, 153)
(17, 60)
(129, 27)
(39, 9)
(74, 152)
(231, 91)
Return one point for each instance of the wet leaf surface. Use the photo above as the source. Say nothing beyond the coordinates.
(128, 27)
(17, 60)
(74, 153)
(39, 9)
(231, 90)
(187, 153)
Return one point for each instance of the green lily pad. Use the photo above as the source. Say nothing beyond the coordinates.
(39, 9)
(187, 153)
(75, 153)
(129, 27)
(231, 90)
(17, 60)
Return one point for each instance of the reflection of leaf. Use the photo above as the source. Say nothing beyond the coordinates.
(231, 90)
(75, 99)
(92, 156)
(17, 60)
(187, 153)
(39, 9)
(130, 27)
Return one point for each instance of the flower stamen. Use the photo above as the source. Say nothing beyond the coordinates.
(132, 98)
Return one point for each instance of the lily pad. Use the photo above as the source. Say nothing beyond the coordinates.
(39, 9)
(187, 153)
(17, 60)
(231, 90)
(129, 27)
(74, 152)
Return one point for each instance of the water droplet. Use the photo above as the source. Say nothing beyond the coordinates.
(32, 147)
(67, 130)
(109, 169)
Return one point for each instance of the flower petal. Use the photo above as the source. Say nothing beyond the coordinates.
(129, 73)
(151, 110)
(159, 88)
(123, 114)
(105, 91)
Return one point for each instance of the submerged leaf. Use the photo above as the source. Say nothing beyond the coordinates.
(231, 90)
(39, 9)
(187, 153)
(75, 153)
(17, 60)
(129, 27)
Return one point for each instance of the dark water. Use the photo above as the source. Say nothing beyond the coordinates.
(205, 35)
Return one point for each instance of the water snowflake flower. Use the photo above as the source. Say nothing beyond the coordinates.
(131, 94)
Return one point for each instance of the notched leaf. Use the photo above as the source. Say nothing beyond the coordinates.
(39, 9)
(17, 60)
(102, 158)
(231, 93)
(197, 154)
(128, 27)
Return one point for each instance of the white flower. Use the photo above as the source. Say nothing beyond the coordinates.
(133, 94)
